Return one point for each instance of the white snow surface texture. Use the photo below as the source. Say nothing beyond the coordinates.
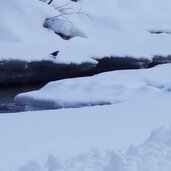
(103, 89)
(99, 28)
(88, 138)
(112, 134)
(98, 138)
(153, 154)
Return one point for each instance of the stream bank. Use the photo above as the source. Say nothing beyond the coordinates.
(7, 94)
(20, 76)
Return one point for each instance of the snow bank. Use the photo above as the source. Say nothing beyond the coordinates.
(103, 89)
(99, 29)
(31, 139)
(154, 154)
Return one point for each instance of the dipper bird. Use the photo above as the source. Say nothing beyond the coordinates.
(54, 54)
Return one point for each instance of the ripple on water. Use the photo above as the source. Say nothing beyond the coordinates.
(11, 108)
(7, 94)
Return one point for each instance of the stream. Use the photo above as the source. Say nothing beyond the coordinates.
(7, 94)
(20, 76)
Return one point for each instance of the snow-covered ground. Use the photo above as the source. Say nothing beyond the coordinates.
(106, 122)
(104, 138)
(103, 89)
(89, 138)
(99, 29)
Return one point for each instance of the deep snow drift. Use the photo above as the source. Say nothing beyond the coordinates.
(99, 29)
(104, 89)
(152, 155)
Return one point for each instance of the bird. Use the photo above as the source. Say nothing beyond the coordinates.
(54, 54)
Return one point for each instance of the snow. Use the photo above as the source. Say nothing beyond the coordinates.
(102, 89)
(151, 155)
(99, 29)
(28, 139)
(114, 121)
(104, 138)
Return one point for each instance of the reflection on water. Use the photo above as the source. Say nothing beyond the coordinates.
(7, 94)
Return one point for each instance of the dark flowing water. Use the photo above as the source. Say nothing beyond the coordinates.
(7, 94)
(20, 72)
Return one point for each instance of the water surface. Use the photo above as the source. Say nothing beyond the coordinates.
(7, 94)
